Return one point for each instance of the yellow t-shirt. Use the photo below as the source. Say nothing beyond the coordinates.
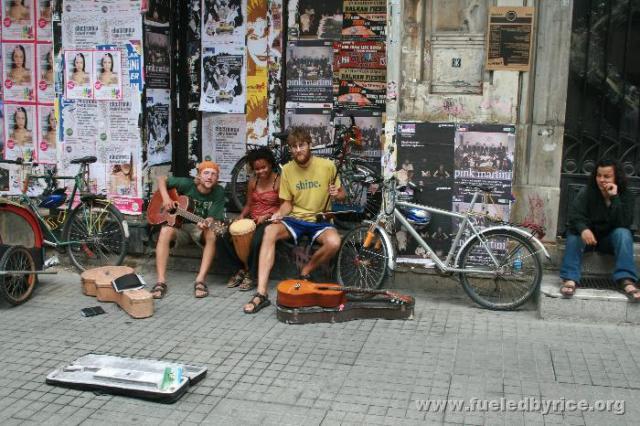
(307, 188)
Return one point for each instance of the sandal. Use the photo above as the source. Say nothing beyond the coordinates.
(632, 294)
(264, 302)
(568, 288)
(246, 284)
(159, 290)
(236, 279)
(202, 288)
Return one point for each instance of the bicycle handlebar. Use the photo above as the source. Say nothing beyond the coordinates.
(19, 161)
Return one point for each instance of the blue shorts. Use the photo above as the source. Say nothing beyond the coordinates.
(298, 228)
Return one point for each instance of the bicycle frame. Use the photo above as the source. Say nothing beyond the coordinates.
(448, 266)
(80, 184)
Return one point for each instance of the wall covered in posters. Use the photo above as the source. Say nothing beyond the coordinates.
(101, 102)
(445, 161)
(239, 60)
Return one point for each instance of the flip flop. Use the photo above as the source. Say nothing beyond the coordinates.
(202, 287)
(631, 293)
(567, 290)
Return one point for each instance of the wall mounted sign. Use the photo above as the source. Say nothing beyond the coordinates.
(509, 38)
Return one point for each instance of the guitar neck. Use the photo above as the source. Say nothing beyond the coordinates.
(189, 216)
(356, 290)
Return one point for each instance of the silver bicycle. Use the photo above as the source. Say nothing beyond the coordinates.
(499, 267)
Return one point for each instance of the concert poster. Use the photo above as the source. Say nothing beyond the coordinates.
(158, 113)
(47, 134)
(158, 57)
(425, 158)
(309, 72)
(275, 90)
(361, 75)
(315, 20)
(18, 71)
(223, 21)
(20, 131)
(45, 73)
(79, 70)
(18, 20)
(371, 127)
(364, 19)
(484, 155)
(223, 79)
(107, 76)
(158, 12)
(223, 141)
(43, 20)
(316, 121)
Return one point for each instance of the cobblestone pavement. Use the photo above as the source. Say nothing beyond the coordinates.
(265, 372)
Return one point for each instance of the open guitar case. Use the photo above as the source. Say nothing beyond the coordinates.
(352, 310)
(141, 378)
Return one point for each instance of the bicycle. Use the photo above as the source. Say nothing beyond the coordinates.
(359, 180)
(94, 232)
(499, 267)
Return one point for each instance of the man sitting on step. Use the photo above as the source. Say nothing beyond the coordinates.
(600, 216)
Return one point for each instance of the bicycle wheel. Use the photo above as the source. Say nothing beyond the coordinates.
(515, 278)
(240, 176)
(17, 288)
(362, 267)
(96, 234)
(364, 195)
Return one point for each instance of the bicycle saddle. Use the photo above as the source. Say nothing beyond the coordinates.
(88, 159)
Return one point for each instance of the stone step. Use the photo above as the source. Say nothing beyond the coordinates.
(587, 305)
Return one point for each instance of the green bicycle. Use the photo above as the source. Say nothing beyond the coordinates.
(93, 233)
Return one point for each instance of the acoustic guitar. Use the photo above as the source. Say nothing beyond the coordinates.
(302, 294)
(157, 214)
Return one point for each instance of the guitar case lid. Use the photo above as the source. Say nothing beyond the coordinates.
(161, 381)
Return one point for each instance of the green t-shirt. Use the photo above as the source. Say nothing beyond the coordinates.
(204, 205)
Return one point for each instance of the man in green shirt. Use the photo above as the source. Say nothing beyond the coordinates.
(208, 201)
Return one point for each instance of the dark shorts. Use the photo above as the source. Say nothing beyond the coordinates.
(298, 228)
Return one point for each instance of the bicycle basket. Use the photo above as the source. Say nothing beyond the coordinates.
(54, 199)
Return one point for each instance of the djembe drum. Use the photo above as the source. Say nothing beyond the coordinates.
(241, 234)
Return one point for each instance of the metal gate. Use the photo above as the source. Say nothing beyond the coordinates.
(603, 96)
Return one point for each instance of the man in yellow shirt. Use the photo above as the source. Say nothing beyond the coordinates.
(306, 184)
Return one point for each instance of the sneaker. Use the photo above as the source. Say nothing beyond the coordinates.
(236, 279)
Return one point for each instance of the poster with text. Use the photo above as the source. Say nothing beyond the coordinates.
(223, 79)
(316, 121)
(158, 57)
(223, 21)
(223, 141)
(257, 112)
(47, 134)
(309, 72)
(364, 19)
(45, 73)
(43, 20)
(312, 19)
(425, 158)
(79, 69)
(18, 20)
(79, 131)
(20, 131)
(18, 71)
(361, 74)
(158, 126)
(275, 90)
(105, 6)
(484, 156)
(107, 66)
